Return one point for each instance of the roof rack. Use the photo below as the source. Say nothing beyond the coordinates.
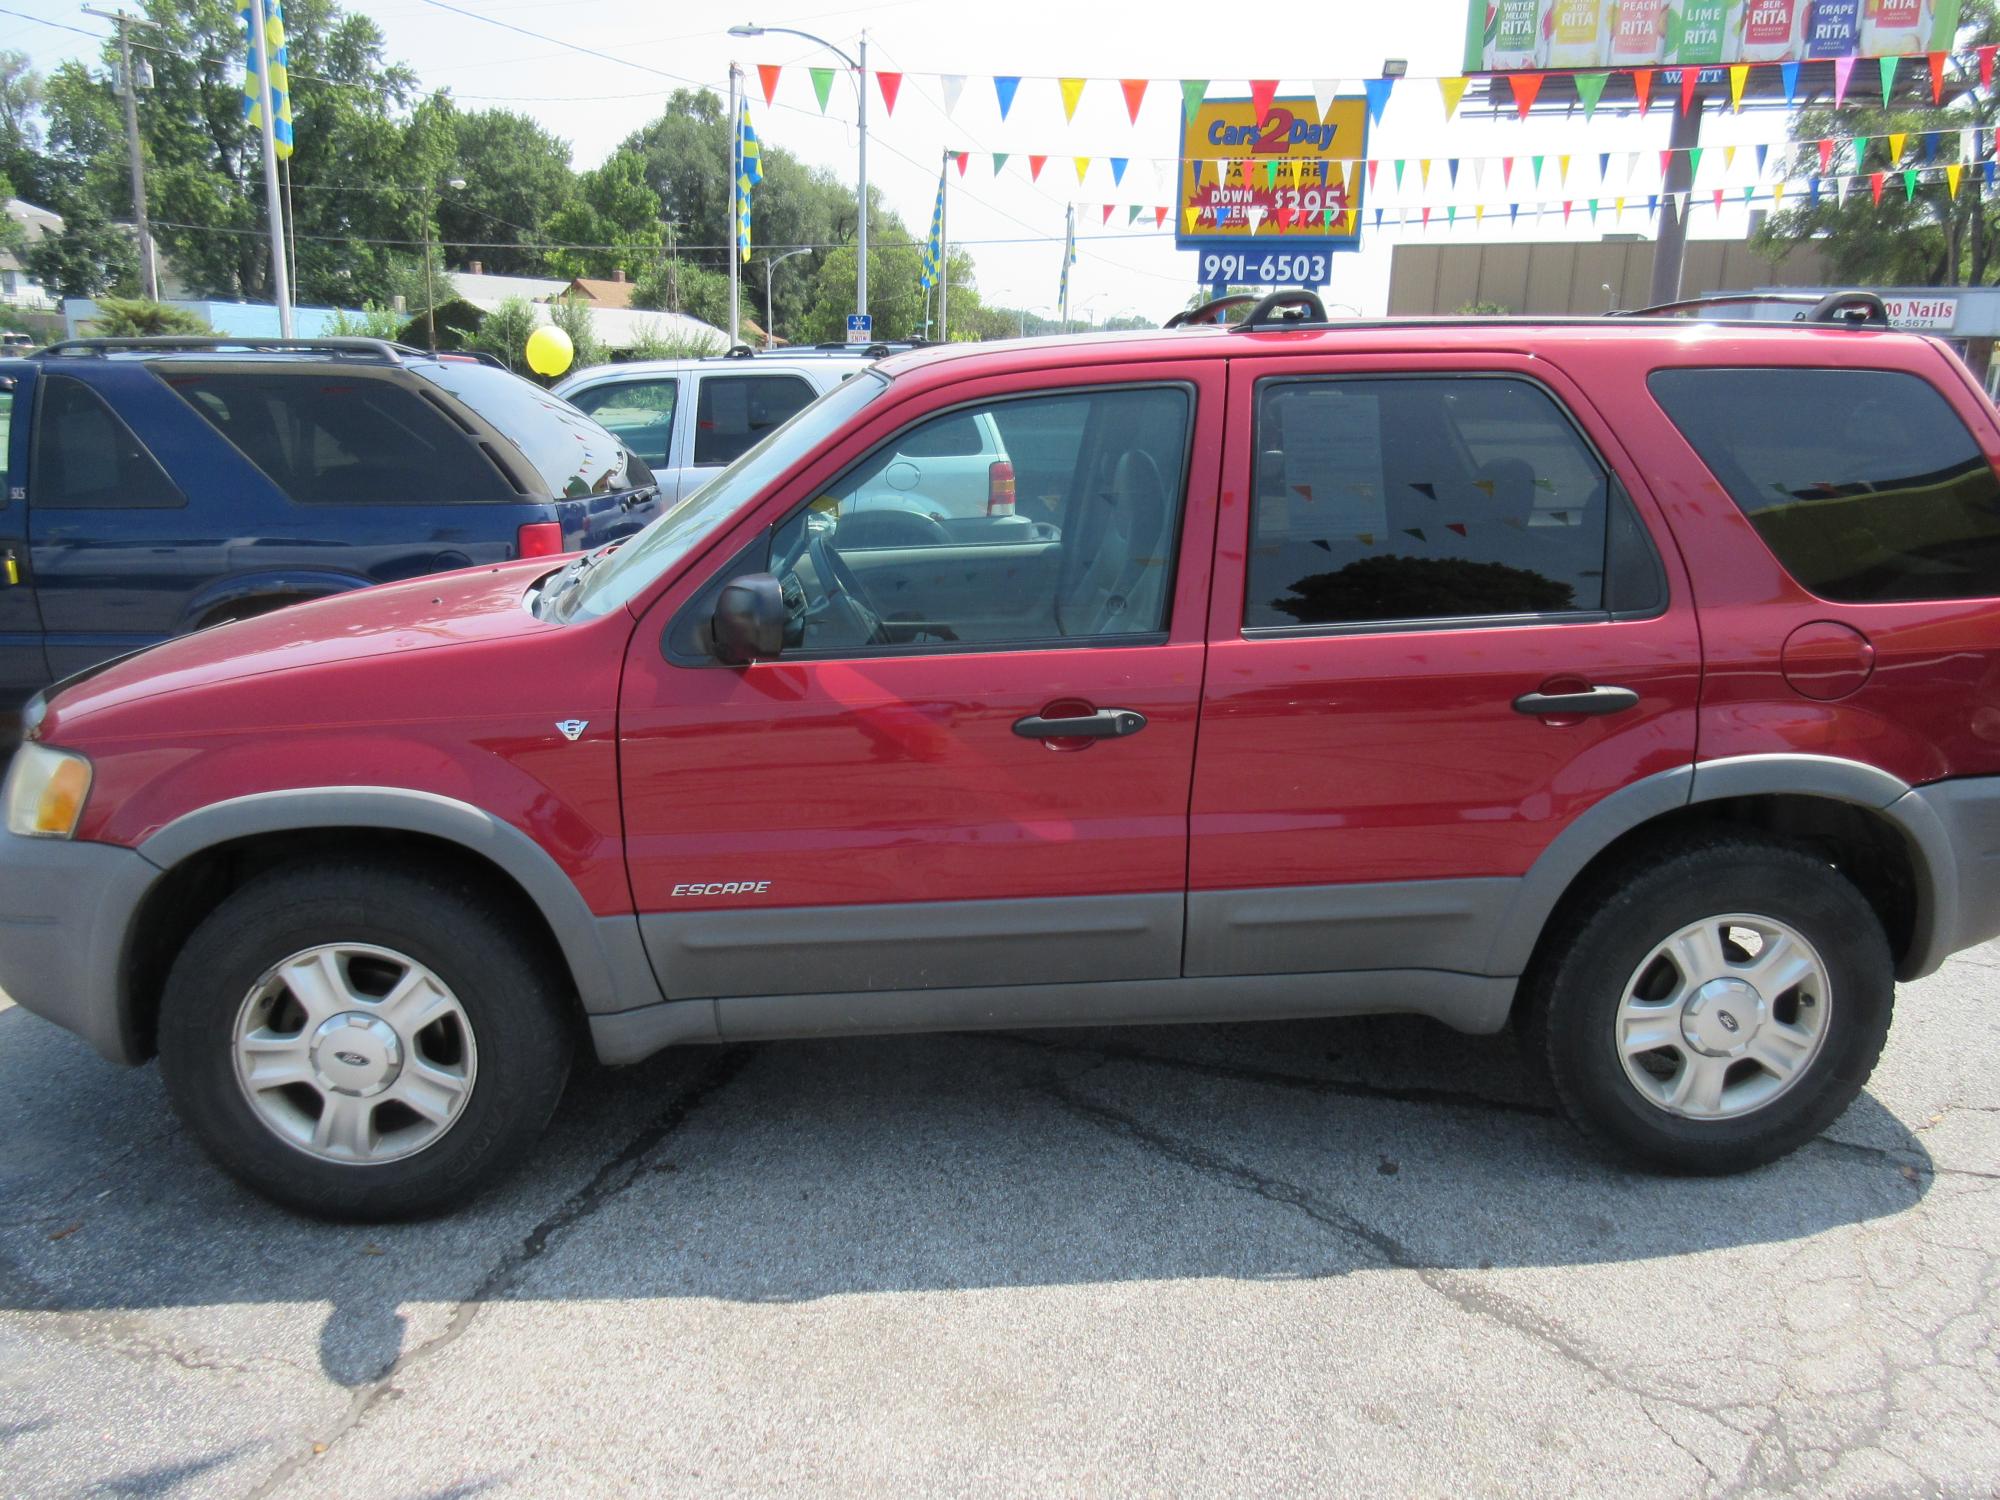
(1294, 307)
(1848, 309)
(193, 343)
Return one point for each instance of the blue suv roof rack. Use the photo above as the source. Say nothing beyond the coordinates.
(178, 343)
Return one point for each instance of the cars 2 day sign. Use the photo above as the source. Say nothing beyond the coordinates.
(1288, 185)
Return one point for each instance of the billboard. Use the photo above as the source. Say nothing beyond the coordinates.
(1269, 201)
(1507, 35)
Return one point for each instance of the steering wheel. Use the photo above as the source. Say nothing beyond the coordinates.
(844, 591)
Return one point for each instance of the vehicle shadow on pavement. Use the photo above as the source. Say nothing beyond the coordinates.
(787, 1172)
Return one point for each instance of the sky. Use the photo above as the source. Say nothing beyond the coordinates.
(1013, 227)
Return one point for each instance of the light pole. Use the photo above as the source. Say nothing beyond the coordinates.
(860, 69)
(430, 297)
(771, 263)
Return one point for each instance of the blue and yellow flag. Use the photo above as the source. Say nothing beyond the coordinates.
(934, 247)
(281, 78)
(749, 172)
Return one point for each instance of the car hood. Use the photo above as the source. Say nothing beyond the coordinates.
(443, 609)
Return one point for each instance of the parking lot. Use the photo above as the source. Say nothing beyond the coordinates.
(1282, 1259)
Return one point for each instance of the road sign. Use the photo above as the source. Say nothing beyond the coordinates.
(1265, 201)
(860, 328)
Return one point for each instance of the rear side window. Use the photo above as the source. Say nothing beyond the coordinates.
(572, 455)
(86, 457)
(1385, 501)
(733, 411)
(1864, 483)
(948, 437)
(332, 437)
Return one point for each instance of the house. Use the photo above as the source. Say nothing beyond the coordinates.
(488, 292)
(17, 288)
(600, 293)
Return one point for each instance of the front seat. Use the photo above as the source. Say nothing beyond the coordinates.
(1121, 557)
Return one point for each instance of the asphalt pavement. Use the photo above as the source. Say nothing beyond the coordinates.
(1333, 1257)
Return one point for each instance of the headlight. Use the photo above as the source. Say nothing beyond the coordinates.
(45, 791)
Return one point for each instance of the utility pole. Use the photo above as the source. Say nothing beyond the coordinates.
(944, 254)
(128, 85)
(861, 223)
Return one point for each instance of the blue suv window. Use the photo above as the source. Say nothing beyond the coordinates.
(86, 457)
(340, 437)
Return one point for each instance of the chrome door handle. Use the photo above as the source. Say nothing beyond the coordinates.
(1105, 724)
(1591, 701)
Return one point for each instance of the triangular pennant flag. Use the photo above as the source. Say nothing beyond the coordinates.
(1479, 171)
(1631, 165)
(1451, 165)
(1377, 90)
(1453, 90)
(1888, 77)
(1590, 89)
(822, 85)
(1718, 199)
(1562, 164)
(1109, 209)
(1427, 216)
(1642, 89)
(1666, 163)
(952, 85)
(1840, 188)
(1728, 158)
(1936, 60)
(1566, 209)
(1909, 184)
(891, 84)
(1513, 213)
(1378, 218)
(1985, 55)
(1415, 531)
(1134, 90)
(1193, 90)
(1262, 92)
(1652, 205)
(999, 161)
(1117, 170)
(1159, 216)
(1003, 90)
(1788, 73)
(1397, 164)
(1618, 207)
(767, 74)
(1812, 191)
(1478, 213)
(1256, 217)
(1270, 173)
(1526, 87)
(1762, 152)
(1191, 214)
(1684, 206)
(1860, 150)
(1035, 165)
(1325, 90)
(1952, 172)
(1689, 78)
(1825, 156)
(1930, 146)
(1843, 69)
(1424, 170)
(1991, 183)
(962, 158)
(1694, 161)
(1593, 210)
(1897, 138)
(1194, 170)
(1538, 169)
(1506, 171)
(1374, 165)
(1875, 187)
(1739, 74)
(1604, 166)
(1072, 91)
(1778, 192)
(1082, 167)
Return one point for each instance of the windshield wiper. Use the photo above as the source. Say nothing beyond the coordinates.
(564, 585)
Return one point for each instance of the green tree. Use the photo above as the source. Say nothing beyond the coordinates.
(613, 205)
(372, 322)
(894, 296)
(574, 319)
(87, 257)
(134, 317)
(696, 290)
(1925, 239)
(504, 333)
(517, 175)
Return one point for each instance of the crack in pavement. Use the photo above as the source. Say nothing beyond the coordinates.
(605, 1185)
(1468, 1297)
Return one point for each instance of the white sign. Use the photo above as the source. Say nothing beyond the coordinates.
(1939, 314)
(860, 328)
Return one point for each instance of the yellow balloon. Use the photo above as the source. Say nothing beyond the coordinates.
(549, 351)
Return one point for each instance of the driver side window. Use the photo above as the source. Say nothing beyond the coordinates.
(1027, 520)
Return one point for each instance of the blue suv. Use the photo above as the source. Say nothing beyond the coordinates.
(156, 486)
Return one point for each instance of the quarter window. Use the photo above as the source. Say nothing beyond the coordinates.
(923, 543)
(1429, 498)
(86, 457)
(1864, 483)
(733, 411)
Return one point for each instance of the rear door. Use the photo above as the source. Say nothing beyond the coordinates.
(728, 414)
(1440, 635)
(23, 669)
(639, 411)
(892, 804)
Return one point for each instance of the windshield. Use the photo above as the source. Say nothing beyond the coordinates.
(572, 455)
(627, 572)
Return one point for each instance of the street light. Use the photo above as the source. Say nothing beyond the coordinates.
(430, 298)
(861, 93)
(771, 263)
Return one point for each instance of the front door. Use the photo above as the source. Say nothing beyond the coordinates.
(1442, 636)
(970, 765)
(729, 414)
(23, 669)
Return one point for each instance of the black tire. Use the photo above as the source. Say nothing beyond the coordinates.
(1579, 980)
(509, 992)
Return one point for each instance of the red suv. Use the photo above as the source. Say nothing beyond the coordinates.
(1637, 680)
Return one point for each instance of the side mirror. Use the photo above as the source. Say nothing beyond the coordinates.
(749, 620)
